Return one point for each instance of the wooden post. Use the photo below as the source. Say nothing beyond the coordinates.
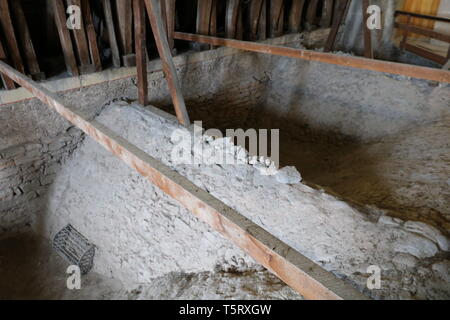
(111, 33)
(125, 19)
(11, 41)
(82, 44)
(141, 50)
(295, 16)
(92, 35)
(7, 82)
(311, 14)
(254, 18)
(203, 23)
(213, 20)
(262, 28)
(25, 40)
(368, 51)
(341, 13)
(327, 13)
(231, 17)
(171, 16)
(329, 58)
(276, 18)
(64, 37)
(154, 13)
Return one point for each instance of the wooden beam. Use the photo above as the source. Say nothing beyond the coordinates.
(92, 35)
(262, 28)
(213, 20)
(423, 31)
(7, 82)
(107, 9)
(154, 13)
(204, 9)
(348, 61)
(295, 16)
(311, 14)
(327, 13)
(405, 32)
(25, 40)
(171, 21)
(302, 274)
(422, 16)
(81, 43)
(341, 11)
(10, 36)
(203, 22)
(231, 18)
(425, 53)
(141, 50)
(255, 17)
(64, 36)
(125, 19)
(368, 51)
(276, 18)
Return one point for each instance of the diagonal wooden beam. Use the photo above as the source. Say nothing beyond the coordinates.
(231, 18)
(125, 19)
(107, 9)
(81, 43)
(327, 13)
(26, 42)
(311, 14)
(310, 55)
(276, 18)
(159, 32)
(302, 274)
(10, 36)
(92, 35)
(171, 21)
(204, 14)
(64, 36)
(341, 11)
(368, 51)
(255, 11)
(141, 50)
(7, 82)
(295, 16)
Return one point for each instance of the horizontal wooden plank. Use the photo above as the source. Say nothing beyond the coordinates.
(423, 31)
(330, 58)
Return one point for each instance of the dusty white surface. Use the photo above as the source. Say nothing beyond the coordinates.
(35, 271)
(141, 234)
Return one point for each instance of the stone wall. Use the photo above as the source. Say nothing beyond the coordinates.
(226, 89)
(35, 141)
(314, 100)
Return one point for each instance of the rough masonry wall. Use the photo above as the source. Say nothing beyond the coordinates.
(35, 141)
(312, 99)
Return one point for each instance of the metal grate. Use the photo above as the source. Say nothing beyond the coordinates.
(75, 248)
